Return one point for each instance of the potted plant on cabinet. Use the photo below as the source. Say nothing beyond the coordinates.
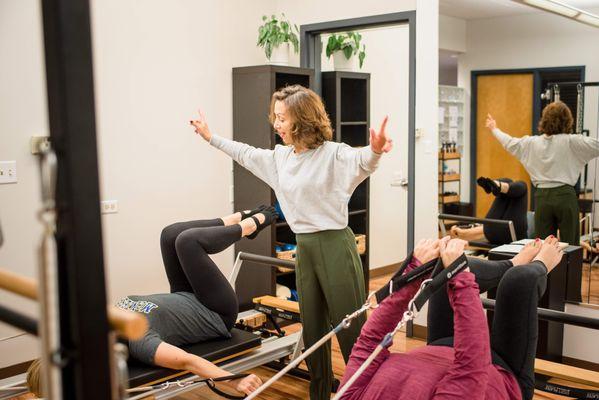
(275, 36)
(346, 51)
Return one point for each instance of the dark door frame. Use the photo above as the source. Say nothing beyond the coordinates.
(536, 103)
(310, 52)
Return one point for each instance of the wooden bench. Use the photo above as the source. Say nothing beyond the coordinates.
(275, 307)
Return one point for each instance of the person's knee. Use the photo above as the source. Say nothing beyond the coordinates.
(185, 241)
(169, 233)
(525, 278)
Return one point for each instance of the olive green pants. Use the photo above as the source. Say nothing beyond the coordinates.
(330, 285)
(557, 208)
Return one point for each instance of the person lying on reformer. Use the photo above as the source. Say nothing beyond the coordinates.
(510, 204)
(201, 304)
(462, 359)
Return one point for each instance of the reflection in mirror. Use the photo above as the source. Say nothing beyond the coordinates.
(495, 87)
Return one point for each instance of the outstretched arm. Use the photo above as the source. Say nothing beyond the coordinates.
(383, 320)
(513, 145)
(468, 375)
(172, 357)
(359, 163)
(260, 162)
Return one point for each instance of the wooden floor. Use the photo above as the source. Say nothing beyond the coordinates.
(296, 389)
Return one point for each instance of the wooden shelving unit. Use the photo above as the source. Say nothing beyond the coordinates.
(347, 100)
(252, 90)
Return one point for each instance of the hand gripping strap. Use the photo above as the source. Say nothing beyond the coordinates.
(439, 279)
(400, 279)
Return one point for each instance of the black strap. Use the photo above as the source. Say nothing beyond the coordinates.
(440, 278)
(541, 383)
(210, 382)
(400, 279)
(212, 385)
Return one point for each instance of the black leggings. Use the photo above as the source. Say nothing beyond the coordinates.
(510, 206)
(185, 247)
(515, 325)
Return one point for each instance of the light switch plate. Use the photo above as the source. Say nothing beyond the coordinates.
(8, 172)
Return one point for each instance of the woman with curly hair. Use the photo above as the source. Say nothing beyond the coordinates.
(554, 160)
(313, 179)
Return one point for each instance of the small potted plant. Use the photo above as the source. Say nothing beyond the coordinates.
(274, 36)
(345, 47)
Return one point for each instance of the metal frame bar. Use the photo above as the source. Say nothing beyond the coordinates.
(310, 51)
(69, 77)
(258, 259)
(271, 350)
(584, 84)
(463, 218)
(556, 316)
(267, 262)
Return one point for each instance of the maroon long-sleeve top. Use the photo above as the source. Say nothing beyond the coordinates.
(461, 372)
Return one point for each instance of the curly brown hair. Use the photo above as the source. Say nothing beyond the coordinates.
(556, 118)
(311, 125)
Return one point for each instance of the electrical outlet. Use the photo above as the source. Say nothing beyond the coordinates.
(8, 172)
(37, 144)
(109, 206)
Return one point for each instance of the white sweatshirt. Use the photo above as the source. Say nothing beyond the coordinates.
(551, 161)
(313, 187)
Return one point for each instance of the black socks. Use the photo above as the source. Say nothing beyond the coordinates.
(270, 216)
(489, 185)
(247, 214)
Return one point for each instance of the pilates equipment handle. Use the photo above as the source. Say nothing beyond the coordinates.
(128, 324)
(489, 221)
(556, 316)
(266, 260)
(18, 320)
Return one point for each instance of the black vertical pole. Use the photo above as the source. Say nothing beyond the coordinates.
(69, 76)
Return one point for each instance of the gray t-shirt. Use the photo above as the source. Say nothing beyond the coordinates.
(175, 318)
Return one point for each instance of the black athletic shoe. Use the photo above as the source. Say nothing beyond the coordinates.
(270, 216)
(484, 183)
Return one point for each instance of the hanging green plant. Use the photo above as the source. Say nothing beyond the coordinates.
(348, 43)
(275, 32)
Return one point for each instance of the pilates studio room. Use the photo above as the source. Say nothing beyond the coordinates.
(276, 199)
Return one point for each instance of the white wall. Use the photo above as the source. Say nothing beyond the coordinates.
(23, 113)
(153, 65)
(452, 34)
(528, 41)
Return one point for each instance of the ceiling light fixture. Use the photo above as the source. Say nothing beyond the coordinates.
(563, 9)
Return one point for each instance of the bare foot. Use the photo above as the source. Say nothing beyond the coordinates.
(528, 252)
(550, 253)
(454, 232)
